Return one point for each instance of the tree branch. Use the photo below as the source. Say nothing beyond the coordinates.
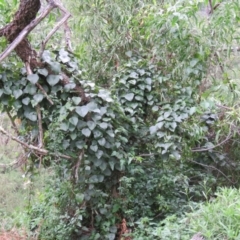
(27, 30)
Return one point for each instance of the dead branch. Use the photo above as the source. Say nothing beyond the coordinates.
(40, 129)
(27, 30)
(59, 24)
(210, 148)
(29, 71)
(31, 147)
(78, 164)
(214, 168)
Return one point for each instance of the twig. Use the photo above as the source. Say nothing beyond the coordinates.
(13, 123)
(29, 71)
(210, 148)
(41, 151)
(27, 29)
(78, 164)
(211, 6)
(68, 37)
(31, 147)
(59, 24)
(40, 129)
(221, 106)
(210, 166)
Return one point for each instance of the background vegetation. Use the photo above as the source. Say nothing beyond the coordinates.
(154, 143)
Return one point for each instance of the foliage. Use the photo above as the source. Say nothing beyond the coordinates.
(216, 219)
(136, 142)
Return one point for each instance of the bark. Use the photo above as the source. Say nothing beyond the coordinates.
(27, 12)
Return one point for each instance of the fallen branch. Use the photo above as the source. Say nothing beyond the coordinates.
(59, 24)
(214, 168)
(31, 147)
(27, 30)
(210, 148)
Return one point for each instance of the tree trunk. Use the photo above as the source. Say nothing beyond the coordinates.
(27, 12)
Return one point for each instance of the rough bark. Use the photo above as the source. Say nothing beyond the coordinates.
(27, 12)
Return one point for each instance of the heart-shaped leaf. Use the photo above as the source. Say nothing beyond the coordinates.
(17, 93)
(86, 132)
(91, 125)
(26, 101)
(76, 100)
(43, 71)
(53, 79)
(129, 96)
(73, 120)
(82, 111)
(38, 97)
(33, 78)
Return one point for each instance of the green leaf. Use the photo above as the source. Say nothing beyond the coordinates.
(69, 86)
(129, 54)
(86, 132)
(153, 129)
(79, 197)
(66, 144)
(1, 92)
(17, 93)
(76, 100)
(33, 78)
(31, 116)
(100, 178)
(31, 89)
(167, 114)
(112, 163)
(64, 126)
(99, 154)
(102, 141)
(103, 166)
(26, 101)
(43, 71)
(82, 111)
(63, 56)
(93, 107)
(129, 96)
(103, 125)
(53, 79)
(73, 120)
(148, 81)
(192, 110)
(80, 144)
(91, 125)
(38, 97)
(73, 135)
(133, 75)
(94, 148)
(55, 67)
